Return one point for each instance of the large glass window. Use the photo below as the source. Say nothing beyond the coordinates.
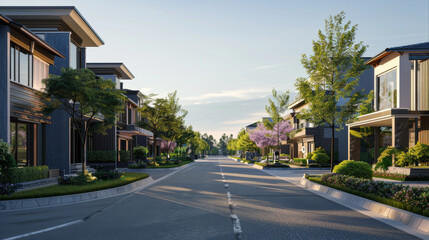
(387, 91)
(19, 142)
(40, 72)
(21, 66)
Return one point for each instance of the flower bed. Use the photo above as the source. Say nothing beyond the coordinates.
(413, 199)
(400, 177)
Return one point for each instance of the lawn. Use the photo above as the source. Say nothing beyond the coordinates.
(58, 190)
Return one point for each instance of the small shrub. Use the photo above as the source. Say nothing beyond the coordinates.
(7, 188)
(140, 152)
(420, 153)
(320, 150)
(321, 157)
(7, 163)
(107, 175)
(385, 159)
(354, 168)
(82, 178)
(404, 159)
(309, 155)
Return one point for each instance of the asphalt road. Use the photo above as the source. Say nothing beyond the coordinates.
(215, 198)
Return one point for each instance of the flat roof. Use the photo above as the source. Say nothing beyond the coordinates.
(107, 68)
(22, 29)
(418, 47)
(34, 16)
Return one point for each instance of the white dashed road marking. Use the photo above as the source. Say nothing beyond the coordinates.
(235, 220)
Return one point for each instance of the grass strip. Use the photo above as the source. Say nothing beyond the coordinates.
(59, 190)
(373, 197)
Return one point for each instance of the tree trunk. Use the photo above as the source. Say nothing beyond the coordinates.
(83, 147)
(332, 147)
(154, 149)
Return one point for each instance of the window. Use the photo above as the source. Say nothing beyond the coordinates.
(21, 66)
(74, 56)
(40, 72)
(19, 136)
(387, 91)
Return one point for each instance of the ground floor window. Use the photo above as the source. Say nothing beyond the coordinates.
(19, 135)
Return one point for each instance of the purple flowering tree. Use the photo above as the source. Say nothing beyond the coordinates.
(168, 146)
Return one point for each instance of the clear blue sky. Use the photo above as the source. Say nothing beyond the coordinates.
(230, 51)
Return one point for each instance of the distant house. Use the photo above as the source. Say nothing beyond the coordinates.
(401, 104)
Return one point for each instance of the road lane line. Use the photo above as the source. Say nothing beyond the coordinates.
(44, 230)
(236, 226)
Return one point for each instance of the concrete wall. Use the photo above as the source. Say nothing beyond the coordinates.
(4, 83)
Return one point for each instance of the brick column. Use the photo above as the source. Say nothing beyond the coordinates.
(353, 145)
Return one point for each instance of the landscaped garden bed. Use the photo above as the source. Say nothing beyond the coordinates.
(412, 199)
(67, 189)
(271, 165)
(161, 164)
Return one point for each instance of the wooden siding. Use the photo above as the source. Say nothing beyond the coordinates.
(424, 130)
(26, 105)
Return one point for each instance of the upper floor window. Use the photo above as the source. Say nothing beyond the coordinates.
(387, 90)
(74, 56)
(21, 66)
(40, 72)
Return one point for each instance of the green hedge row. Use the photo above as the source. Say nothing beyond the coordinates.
(101, 156)
(26, 174)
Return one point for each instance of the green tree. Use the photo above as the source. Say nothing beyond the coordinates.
(244, 143)
(162, 116)
(91, 102)
(185, 133)
(333, 71)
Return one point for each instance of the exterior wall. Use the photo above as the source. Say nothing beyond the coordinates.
(4, 83)
(403, 76)
(58, 133)
(104, 141)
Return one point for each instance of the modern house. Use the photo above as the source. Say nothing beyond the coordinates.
(306, 137)
(401, 103)
(25, 60)
(66, 30)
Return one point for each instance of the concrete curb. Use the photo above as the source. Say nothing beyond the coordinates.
(412, 220)
(21, 204)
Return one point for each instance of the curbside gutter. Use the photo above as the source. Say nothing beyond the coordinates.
(412, 220)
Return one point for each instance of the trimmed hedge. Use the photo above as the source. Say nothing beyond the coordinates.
(300, 160)
(101, 156)
(26, 174)
(124, 155)
(320, 157)
(354, 168)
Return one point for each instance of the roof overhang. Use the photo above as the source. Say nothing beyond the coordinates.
(23, 30)
(296, 104)
(39, 16)
(118, 69)
(384, 118)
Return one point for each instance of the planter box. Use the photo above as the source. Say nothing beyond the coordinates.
(409, 171)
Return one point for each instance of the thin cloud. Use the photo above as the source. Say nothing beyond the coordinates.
(268, 66)
(235, 94)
